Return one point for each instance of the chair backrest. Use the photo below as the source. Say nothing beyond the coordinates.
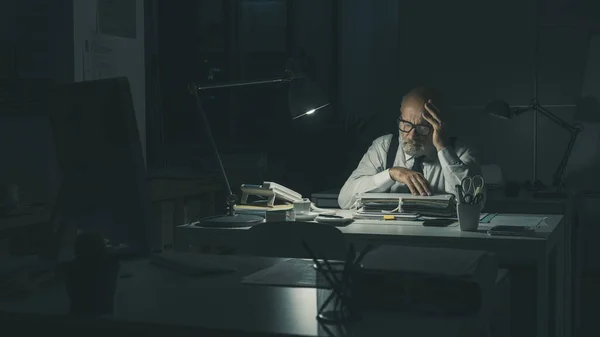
(284, 239)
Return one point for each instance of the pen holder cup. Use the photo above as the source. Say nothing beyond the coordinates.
(336, 306)
(468, 216)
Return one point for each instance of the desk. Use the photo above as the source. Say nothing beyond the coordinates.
(19, 229)
(525, 202)
(151, 301)
(175, 199)
(545, 252)
(173, 202)
(25, 217)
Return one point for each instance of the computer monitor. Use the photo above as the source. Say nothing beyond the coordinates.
(103, 177)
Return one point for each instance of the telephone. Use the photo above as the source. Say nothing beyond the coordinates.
(273, 191)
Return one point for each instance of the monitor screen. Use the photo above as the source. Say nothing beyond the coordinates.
(99, 154)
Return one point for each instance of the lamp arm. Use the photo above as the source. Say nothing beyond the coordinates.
(194, 90)
(231, 198)
(557, 178)
(554, 118)
(560, 170)
(290, 76)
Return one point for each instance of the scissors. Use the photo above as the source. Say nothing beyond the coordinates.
(472, 187)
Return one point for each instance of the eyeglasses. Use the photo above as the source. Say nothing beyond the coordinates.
(407, 127)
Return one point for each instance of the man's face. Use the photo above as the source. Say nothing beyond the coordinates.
(414, 129)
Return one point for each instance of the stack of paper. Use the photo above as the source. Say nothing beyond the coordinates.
(385, 215)
(441, 205)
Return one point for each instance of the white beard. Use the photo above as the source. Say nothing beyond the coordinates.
(413, 148)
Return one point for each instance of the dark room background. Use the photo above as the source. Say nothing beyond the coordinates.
(364, 54)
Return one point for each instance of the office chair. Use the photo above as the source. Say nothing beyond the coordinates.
(284, 239)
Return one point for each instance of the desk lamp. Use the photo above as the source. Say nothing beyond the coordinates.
(501, 109)
(232, 219)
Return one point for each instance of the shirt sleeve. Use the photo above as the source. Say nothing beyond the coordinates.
(369, 176)
(456, 165)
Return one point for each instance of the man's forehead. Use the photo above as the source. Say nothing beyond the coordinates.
(412, 110)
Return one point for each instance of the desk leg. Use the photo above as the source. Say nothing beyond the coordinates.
(542, 297)
(560, 291)
(567, 254)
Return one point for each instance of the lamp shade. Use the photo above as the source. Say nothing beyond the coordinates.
(499, 108)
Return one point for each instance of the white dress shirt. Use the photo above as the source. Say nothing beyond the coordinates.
(443, 172)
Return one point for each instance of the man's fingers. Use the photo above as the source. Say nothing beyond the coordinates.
(411, 186)
(424, 184)
(433, 112)
(421, 184)
(433, 122)
(417, 185)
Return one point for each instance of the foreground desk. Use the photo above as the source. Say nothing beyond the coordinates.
(152, 301)
(545, 251)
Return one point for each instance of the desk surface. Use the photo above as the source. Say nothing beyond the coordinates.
(148, 294)
(511, 248)
(386, 227)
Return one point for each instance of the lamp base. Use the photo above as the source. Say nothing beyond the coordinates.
(231, 221)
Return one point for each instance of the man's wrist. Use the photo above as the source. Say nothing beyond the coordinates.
(448, 156)
(383, 179)
(391, 172)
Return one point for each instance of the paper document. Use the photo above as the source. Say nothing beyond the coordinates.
(441, 205)
(401, 196)
(382, 215)
(521, 220)
(444, 262)
(103, 57)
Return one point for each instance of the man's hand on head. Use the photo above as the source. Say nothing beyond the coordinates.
(415, 181)
(432, 115)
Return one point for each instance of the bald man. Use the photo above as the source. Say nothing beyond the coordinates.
(420, 160)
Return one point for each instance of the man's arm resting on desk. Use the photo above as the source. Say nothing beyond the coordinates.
(369, 176)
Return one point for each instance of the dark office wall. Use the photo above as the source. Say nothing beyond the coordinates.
(35, 45)
(585, 163)
(474, 51)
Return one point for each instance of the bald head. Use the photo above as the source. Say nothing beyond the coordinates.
(420, 95)
(411, 111)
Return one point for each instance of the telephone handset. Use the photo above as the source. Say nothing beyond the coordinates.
(272, 191)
